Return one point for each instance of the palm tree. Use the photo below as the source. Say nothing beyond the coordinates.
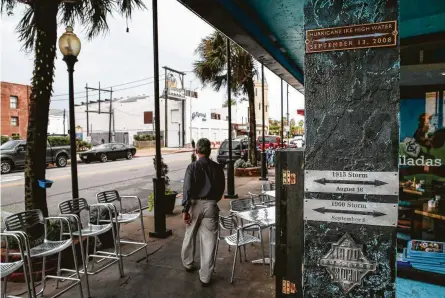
(226, 103)
(37, 30)
(211, 69)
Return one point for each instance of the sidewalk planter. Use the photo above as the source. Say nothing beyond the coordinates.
(170, 202)
(146, 144)
(248, 172)
(45, 183)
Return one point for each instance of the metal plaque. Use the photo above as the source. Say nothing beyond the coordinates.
(371, 183)
(374, 35)
(346, 263)
(353, 212)
(289, 178)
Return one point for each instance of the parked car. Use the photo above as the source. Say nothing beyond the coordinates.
(13, 155)
(297, 142)
(273, 142)
(110, 151)
(239, 150)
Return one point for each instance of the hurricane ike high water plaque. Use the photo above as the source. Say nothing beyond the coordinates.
(374, 35)
(351, 158)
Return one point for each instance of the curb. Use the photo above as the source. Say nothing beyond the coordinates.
(136, 156)
(165, 153)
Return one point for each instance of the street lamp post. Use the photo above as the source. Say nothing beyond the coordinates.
(263, 152)
(282, 123)
(159, 181)
(69, 45)
(230, 170)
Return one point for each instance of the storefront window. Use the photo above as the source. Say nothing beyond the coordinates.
(421, 223)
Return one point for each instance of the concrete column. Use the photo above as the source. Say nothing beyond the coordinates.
(351, 159)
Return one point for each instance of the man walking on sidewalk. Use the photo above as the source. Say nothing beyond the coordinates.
(204, 185)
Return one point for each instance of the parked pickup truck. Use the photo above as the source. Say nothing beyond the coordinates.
(13, 155)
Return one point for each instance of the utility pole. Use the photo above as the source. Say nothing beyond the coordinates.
(110, 112)
(287, 117)
(64, 121)
(88, 123)
(99, 111)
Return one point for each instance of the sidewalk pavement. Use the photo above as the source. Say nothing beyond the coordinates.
(164, 276)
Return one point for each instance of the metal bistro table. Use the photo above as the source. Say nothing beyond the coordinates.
(265, 217)
(270, 193)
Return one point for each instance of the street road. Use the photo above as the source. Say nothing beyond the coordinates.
(129, 177)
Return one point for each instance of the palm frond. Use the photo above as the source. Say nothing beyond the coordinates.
(126, 7)
(95, 16)
(8, 6)
(70, 13)
(27, 29)
(219, 81)
(211, 67)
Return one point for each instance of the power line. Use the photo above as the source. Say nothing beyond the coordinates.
(123, 84)
(117, 90)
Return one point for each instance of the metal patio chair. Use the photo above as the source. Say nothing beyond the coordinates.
(112, 196)
(240, 205)
(258, 200)
(272, 246)
(238, 239)
(7, 268)
(268, 186)
(73, 209)
(27, 219)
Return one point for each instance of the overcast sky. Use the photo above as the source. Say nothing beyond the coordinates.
(120, 57)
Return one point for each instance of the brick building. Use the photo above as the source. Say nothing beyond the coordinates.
(14, 109)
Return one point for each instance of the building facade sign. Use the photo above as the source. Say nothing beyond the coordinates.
(199, 115)
(175, 92)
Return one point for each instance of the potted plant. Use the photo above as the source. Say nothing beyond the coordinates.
(245, 168)
(170, 196)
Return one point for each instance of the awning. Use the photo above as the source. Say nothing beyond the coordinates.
(272, 31)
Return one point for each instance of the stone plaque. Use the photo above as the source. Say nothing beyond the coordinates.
(352, 182)
(363, 213)
(372, 35)
(346, 263)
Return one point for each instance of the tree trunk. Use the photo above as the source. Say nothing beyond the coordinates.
(45, 53)
(252, 121)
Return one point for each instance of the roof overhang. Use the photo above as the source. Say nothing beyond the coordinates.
(245, 29)
(273, 31)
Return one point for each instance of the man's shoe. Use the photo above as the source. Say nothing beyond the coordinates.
(191, 269)
(205, 284)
